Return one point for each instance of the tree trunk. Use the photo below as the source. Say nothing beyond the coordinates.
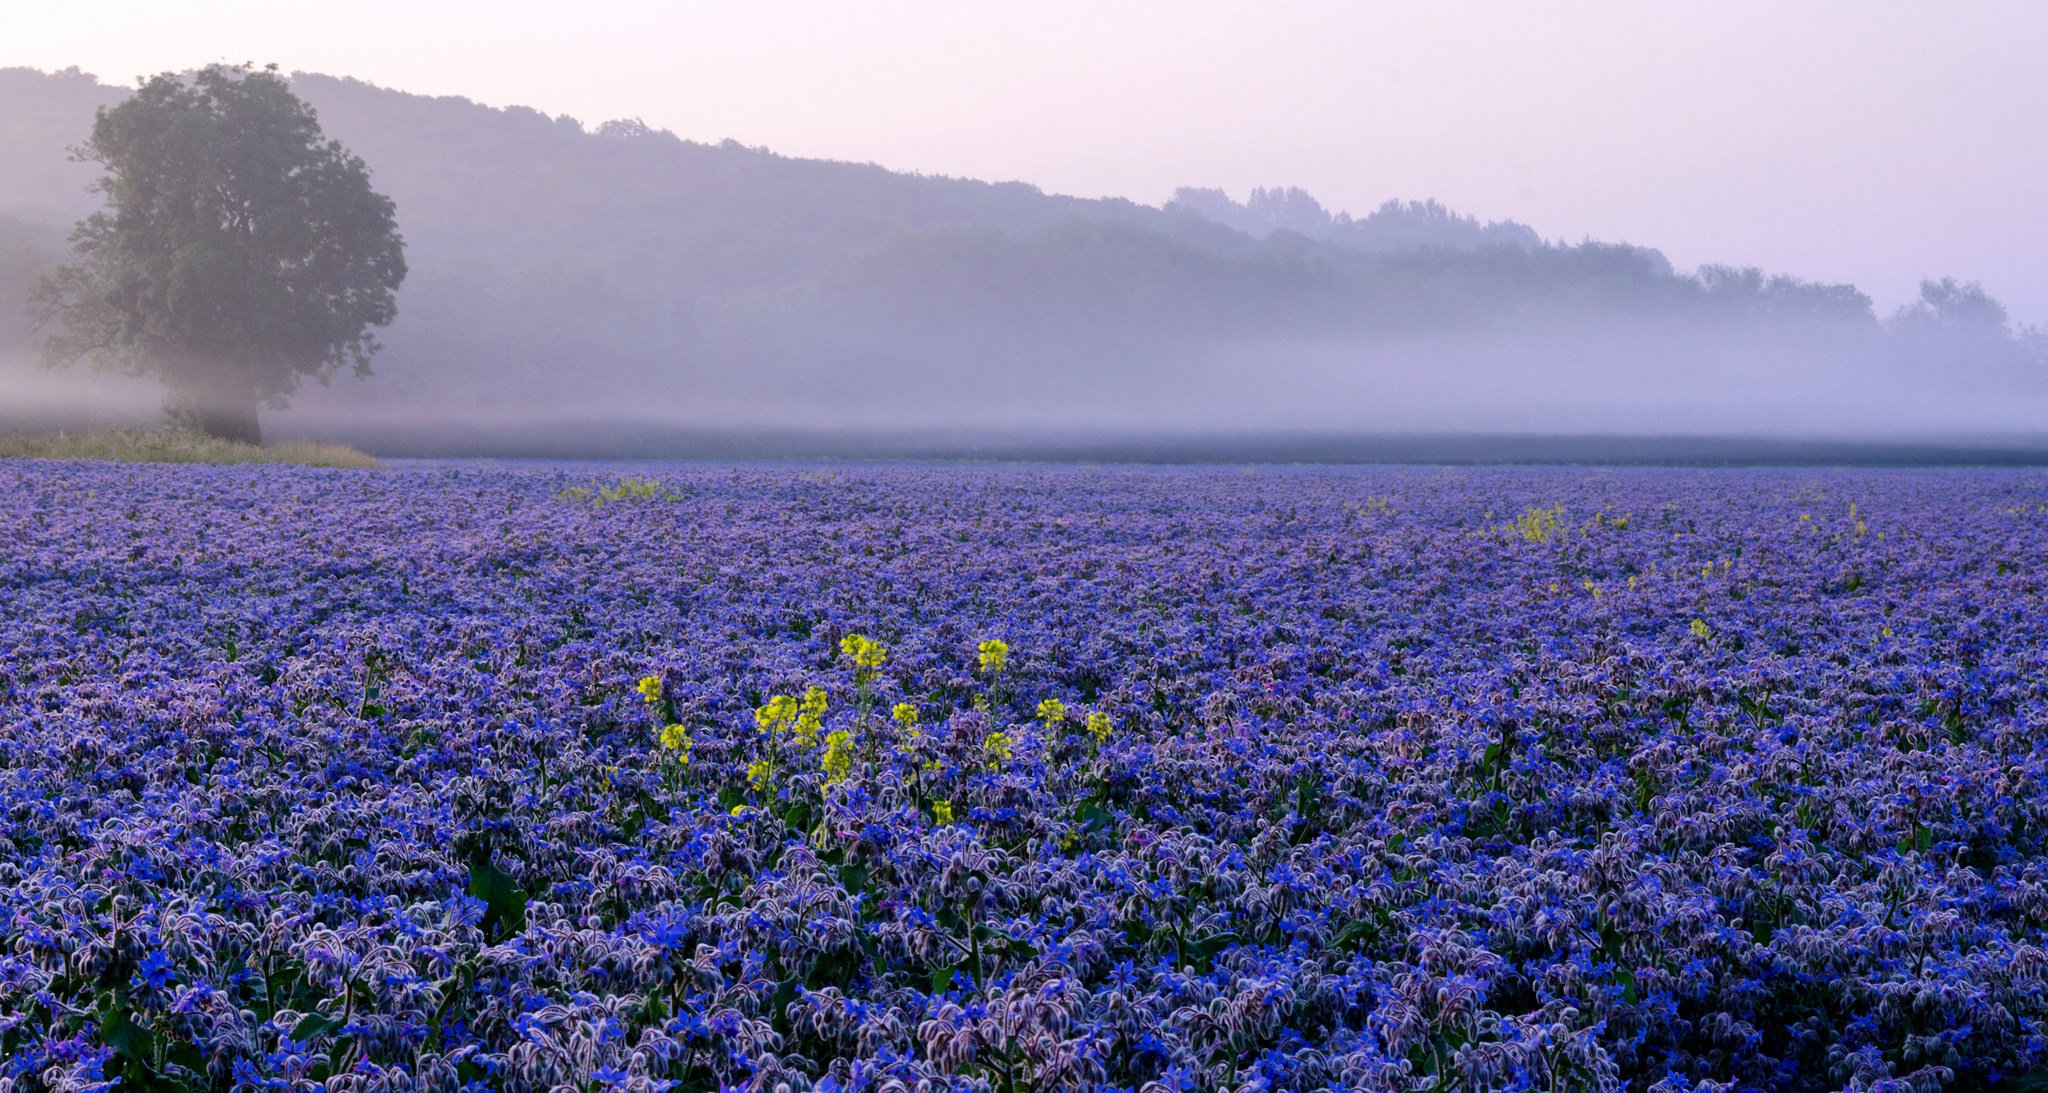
(223, 410)
(237, 423)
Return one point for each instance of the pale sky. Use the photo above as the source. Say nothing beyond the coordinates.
(1866, 141)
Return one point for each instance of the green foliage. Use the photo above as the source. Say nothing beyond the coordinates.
(177, 446)
(504, 901)
(628, 488)
(315, 1025)
(1539, 525)
(238, 252)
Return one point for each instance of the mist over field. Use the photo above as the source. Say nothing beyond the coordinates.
(611, 289)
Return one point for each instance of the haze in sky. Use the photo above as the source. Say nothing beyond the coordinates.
(1840, 141)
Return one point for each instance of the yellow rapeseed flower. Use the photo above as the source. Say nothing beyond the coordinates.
(650, 689)
(995, 655)
(942, 811)
(1699, 629)
(1052, 711)
(865, 652)
(676, 739)
(775, 714)
(838, 759)
(999, 747)
(758, 773)
(1100, 726)
(810, 716)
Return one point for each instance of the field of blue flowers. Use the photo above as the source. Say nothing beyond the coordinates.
(472, 777)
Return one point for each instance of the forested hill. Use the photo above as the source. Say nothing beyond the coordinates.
(579, 274)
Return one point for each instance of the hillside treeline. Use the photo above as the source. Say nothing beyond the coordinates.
(568, 271)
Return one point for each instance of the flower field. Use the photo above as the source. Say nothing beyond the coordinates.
(460, 776)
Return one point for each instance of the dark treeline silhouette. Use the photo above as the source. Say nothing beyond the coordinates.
(572, 279)
(1395, 225)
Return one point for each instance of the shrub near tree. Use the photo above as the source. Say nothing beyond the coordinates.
(239, 250)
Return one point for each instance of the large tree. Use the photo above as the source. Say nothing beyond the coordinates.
(239, 250)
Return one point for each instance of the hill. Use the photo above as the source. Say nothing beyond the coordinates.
(582, 278)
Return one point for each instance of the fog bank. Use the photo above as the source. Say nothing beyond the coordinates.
(612, 289)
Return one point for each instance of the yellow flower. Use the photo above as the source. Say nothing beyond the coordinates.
(676, 738)
(866, 653)
(650, 689)
(811, 716)
(838, 760)
(999, 747)
(1699, 629)
(906, 716)
(758, 772)
(1052, 711)
(942, 811)
(1100, 726)
(1538, 525)
(775, 714)
(995, 655)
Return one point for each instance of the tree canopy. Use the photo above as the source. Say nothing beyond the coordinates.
(238, 252)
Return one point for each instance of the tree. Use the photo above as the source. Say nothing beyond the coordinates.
(1959, 326)
(239, 250)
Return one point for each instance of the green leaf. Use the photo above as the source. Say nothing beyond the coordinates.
(129, 1040)
(1094, 817)
(504, 901)
(785, 993)
(315, 1025)
(1357, 933)
(1205, 949)
(942, 980)
(853, 878)
(134, 1046)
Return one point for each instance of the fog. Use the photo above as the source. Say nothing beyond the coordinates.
(611, 289)
(1874, 141)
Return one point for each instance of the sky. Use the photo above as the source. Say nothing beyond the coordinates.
(1872, 142)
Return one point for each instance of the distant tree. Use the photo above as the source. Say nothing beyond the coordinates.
(239, 250)
(1959, 306)
(1956, 324)
(1746, 290)
(2033, 342)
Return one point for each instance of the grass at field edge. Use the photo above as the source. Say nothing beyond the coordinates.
(171, 446)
